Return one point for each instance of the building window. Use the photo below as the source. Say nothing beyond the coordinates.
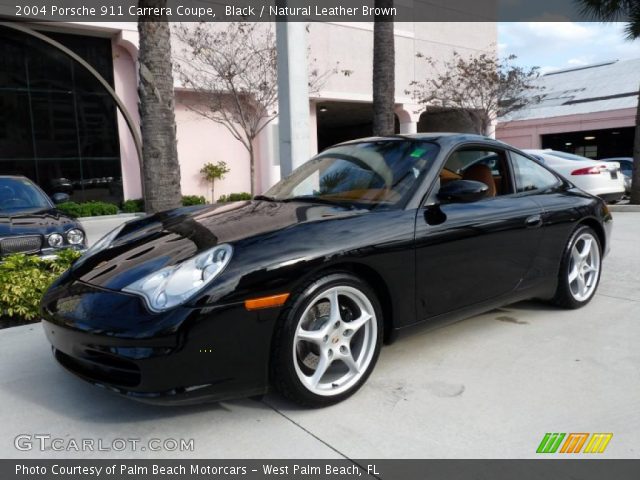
(58, 124)
(589, 151)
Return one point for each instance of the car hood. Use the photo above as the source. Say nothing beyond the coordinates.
(168, 238)
(39, 222)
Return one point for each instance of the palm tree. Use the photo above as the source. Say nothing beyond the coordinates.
(160, 167)
(383, 72)
(611, 11)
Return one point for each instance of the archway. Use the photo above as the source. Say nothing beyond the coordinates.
(83, 108)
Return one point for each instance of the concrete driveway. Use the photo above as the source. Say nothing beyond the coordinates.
(97, 227)
(488, 387)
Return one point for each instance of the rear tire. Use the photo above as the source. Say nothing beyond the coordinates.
(580, 269)
(327, 340)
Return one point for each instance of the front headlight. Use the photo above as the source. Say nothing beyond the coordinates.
(172, 286)
(55, 240)
(75, 236)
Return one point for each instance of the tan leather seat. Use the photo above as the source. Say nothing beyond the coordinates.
(481, 173)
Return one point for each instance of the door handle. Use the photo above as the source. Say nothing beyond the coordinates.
(533, 221)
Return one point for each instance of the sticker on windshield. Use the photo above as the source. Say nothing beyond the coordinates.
(418, 152)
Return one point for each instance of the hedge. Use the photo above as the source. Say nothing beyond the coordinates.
(133, 206)
(188, 200)
(23, 281)
(235, 197)
(137, 205)
(88, 209)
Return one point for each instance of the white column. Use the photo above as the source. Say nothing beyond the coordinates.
(408, 118)
(492, 127)
(293, 95)
(409, 127)
(313, 128)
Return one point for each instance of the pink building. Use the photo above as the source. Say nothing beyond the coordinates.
(64, 131)
(588, 110)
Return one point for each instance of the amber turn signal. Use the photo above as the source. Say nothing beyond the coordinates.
(266, 302)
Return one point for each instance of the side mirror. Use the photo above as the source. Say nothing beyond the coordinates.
(463, 191)
(60, 198)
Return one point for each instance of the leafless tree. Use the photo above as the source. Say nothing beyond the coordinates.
(160, 166)
(232, 68)
(483, 87)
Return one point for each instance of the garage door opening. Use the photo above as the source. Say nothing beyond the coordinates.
(341, 121)
(606, 143)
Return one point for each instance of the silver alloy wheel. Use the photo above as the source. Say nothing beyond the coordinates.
(335, 340)
(584, 267)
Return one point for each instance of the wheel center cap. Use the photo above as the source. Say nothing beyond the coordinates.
(335, 340)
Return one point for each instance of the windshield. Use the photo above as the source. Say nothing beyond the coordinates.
(18, 194)
(372, 174)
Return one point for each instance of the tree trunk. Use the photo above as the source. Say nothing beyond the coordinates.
(252, 163)
(635, 178)
(160, 167)
(383, 73)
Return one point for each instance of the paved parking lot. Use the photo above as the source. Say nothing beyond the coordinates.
(488, 387)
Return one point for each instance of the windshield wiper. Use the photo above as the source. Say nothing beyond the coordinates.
(316, 199)
(266, 198)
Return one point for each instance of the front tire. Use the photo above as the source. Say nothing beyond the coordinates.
(580, 269)
(327, 341)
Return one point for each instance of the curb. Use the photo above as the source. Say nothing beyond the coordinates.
(624, 208)
(123, 216)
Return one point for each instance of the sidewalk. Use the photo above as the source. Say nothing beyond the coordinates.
(97, 227)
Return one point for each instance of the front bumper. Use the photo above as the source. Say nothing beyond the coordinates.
(186, 355)
(612, 197)
(51, 253)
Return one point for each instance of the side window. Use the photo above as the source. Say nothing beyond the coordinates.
(627, 168)
(481, 165)
(530, 176)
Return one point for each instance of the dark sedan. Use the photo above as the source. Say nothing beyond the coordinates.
(298, 288)
(30, 222)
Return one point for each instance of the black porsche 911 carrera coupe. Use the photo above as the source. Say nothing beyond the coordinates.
(299, 287)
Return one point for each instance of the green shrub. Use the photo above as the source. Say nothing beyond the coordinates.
(70, 208)
(137, 205)
(234, 197)
(25, 278)
(88, 209)
(214, 171)
(188, 200)
(133, 206)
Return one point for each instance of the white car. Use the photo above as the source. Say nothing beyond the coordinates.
(626, 167)
(603, 179)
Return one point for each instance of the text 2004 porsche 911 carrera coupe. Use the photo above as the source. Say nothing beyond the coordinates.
(298, 288)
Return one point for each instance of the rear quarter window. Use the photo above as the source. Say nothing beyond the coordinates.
(530, 176)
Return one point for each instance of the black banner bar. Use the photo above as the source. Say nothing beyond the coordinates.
(295, 10)
(343, 469)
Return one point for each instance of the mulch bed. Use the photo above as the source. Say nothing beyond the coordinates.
(6, 322)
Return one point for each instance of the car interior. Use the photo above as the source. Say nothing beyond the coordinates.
(16, 194)
(480, 165)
